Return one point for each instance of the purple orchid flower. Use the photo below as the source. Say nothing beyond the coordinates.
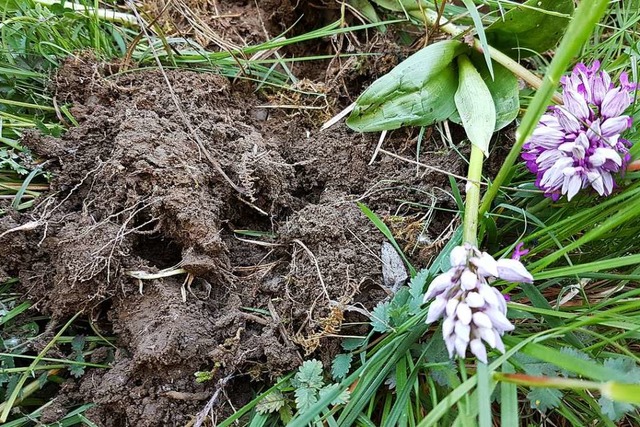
(579, 145)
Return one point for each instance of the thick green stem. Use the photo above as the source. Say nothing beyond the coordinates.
(472, 201)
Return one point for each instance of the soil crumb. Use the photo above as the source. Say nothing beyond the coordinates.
(142, 231)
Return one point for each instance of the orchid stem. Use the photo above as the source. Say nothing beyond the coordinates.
(472, 201)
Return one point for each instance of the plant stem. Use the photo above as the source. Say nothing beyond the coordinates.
(472, 201)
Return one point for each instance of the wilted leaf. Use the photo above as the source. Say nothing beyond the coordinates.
(418, 92)
(504, 92)
(475, 105)
(529, 28)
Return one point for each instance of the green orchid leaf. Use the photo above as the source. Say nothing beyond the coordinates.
(367, 10)
(475, 105)
(533, 27)
(417, 92)
(504, 91)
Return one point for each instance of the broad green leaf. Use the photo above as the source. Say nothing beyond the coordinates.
(530, 28)
(367, 10)
(477, 22)
(417, 92)
(475, 105)
(504, 92)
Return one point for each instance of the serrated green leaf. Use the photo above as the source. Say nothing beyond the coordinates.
(475, 105)
(418, 92)
(341, 399)
(625, 367)
(614, 410)
(534, 27)
(341, 365)
(350, 344)
(380, 318)
(416, 290)
(272, 402)
(504, 92)
(544, 399)
(309, 375)
(305, 398)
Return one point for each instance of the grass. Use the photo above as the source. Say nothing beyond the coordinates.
(581, 319)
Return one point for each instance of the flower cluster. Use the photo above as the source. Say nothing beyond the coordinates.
(474, 311)
(578, 145)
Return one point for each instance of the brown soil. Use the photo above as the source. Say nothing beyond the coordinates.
(135, 188)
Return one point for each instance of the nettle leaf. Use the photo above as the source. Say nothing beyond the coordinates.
(341, 399)
(529, 28)
(309, 375)
(341, 365)
(305, 398)
(614, 410)
(272, 402)
(380, 318)
(504, 92)
(475, 105)
(417, 92)
(544, 399)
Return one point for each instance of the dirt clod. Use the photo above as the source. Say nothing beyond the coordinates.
(133, 195)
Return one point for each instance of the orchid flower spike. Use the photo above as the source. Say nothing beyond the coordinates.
(474, 311)
(579, 145)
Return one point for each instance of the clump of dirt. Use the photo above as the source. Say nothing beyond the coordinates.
(141, 226)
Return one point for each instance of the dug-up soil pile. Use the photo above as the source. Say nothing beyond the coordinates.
(136, 189)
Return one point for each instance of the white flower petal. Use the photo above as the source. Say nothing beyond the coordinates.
(436, 309)
(468, 280)
(458, 256)
(482, 320)
(452, 304)
(448, 326)
(463, 312)
(438, 285)
(488, 335)
(513, 271)
(486, 265)
(462, 331)
(499, 320)
(474, 300)
(461, 347)
(478, 349)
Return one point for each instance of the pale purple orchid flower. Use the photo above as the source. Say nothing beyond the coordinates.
(475, 313)
(579, 145)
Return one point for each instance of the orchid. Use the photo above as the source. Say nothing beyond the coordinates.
(474, 311)
(579, 145)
